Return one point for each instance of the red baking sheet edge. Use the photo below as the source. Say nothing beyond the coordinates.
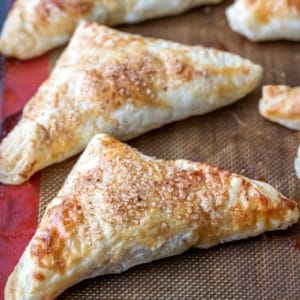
(18, 204)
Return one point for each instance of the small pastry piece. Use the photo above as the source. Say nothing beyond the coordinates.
(281, 104)
(35, 26)
(121, 84)
(262, 20)
(119, 208)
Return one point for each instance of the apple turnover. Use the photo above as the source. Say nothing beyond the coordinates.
(119, 208)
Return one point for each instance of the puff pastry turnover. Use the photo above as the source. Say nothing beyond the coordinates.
(36, 26)
(261, 20)
(119, 208)
(121, 84)
(281, 104)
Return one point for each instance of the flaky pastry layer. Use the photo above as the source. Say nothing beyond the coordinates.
(261, 20)
(35, 26)
(111, 82)
(119, 208)
(281, 104)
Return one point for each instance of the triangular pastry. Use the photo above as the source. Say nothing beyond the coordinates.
(121, 84)
(281, 104)
(261, 20)
(119, 208)
(35, 26)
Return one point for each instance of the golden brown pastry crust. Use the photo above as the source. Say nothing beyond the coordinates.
(35, 26)
(261, 20)
(281, 104)
(121, 84)
(119, 208)
(265, 10)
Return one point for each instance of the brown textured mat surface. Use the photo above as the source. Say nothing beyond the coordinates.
(234, 138)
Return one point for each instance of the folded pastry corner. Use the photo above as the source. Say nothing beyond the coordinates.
(281, 104)
(35, 26)
(20, 154)
(111, 82)
(119, 208)
(262, 20)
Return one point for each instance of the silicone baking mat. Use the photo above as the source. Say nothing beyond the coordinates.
(234, 138)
